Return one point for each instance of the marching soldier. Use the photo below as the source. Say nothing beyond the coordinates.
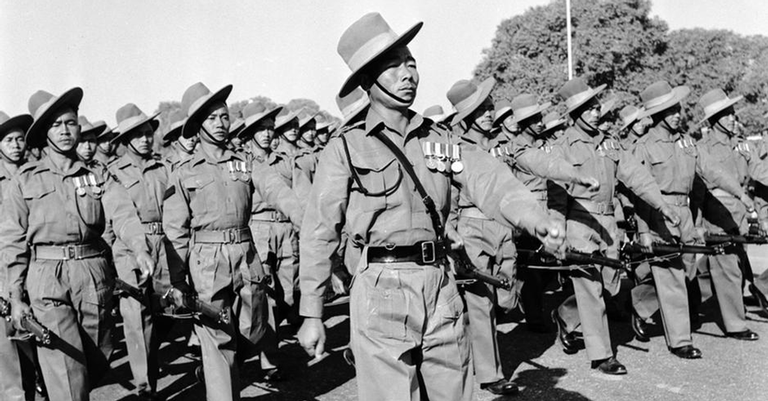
(207, 210)
(725, 213)
(145, 179)
(180, 148)
(591, 225)
(307, 132)
(105, 149)
(324, 133)
(287, 130)
(14, 375)
(54, 214)
(673, 159)
(276, 241)
(86, 147)
(406, 315)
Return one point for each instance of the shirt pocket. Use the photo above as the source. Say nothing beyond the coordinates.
(378, 178)
(200, 192)
(42, 204)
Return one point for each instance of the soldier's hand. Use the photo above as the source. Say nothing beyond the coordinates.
(178, 297)
(455, 239)
(591, 182)
(312, 336)
(646, 240)
(551, 233)
(146, 266)
(748, 203)
(19, 309)
(670, 215)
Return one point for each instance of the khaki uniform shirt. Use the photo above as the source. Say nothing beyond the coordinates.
(46, 206)
(393, 212)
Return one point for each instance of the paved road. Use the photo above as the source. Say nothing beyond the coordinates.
(730, 369)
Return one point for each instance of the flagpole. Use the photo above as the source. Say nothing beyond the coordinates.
(568, 32)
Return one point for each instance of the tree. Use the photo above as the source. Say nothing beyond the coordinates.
(615, 42)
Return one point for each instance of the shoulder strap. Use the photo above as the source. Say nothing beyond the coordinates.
(406, 164)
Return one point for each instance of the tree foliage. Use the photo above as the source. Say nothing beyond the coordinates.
(618, 43)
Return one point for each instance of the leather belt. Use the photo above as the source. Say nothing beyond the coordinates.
(153, 228)
(421, 253)
(231, 236)
(603, 208)
(680, 200)
(269, 215)
(473, 213)
(68, 252)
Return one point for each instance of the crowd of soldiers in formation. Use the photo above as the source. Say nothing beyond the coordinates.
(94, 224)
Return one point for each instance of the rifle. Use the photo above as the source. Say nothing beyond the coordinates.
(727, 239)
(570, 257)
(193, 303)
(464, 270)
(659, 249)
(28, 323)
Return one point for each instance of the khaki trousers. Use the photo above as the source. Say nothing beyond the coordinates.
(407, 334)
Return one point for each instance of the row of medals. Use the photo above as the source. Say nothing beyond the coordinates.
(238, 170)
(443, 157)
(86, 181)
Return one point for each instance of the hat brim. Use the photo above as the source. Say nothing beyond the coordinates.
(22, 122)
(679, 93)
(173, 134)
(633, 119)
(353, 81)
(95, 130)
(192, 125)
(608, 106)
(485, 89)
(560, 122)
(123, 133)
(250, 127)
(302, 124)
(324, 125)
(294, 115)
(593, 93)
(517, 117)
(501, 115)
(70, 98)
(724, 106)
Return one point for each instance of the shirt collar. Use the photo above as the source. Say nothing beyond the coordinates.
(374, 121)
(76, 167)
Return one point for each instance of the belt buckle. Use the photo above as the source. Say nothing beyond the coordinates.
(428, 252)
(70, 252)
(231, 236)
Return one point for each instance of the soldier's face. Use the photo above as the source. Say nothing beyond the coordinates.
(64, 132)
(291, 132)
(217, 123)
(106, 146)
(672, 116)
(264, 133)
(510, 125)
(86, 148)
(308, 132)
(142, 139)
(641, 127)
(483, 116)
(590, 113)
(727, 118)
(13, 145)
(275, 143)
(322, 136)
(535, 125)
(189, 143)
(396, 72)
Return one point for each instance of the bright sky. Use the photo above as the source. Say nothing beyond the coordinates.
(148, 51)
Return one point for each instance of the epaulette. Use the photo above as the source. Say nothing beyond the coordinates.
(30, 166)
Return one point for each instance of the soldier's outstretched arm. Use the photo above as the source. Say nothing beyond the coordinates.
(709, 169)
(499, 195)
(121, 213)
(274, 191)
(319, 238)
(639, 180)
(554, 168)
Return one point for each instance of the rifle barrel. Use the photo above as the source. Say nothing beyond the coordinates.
(583, 258)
